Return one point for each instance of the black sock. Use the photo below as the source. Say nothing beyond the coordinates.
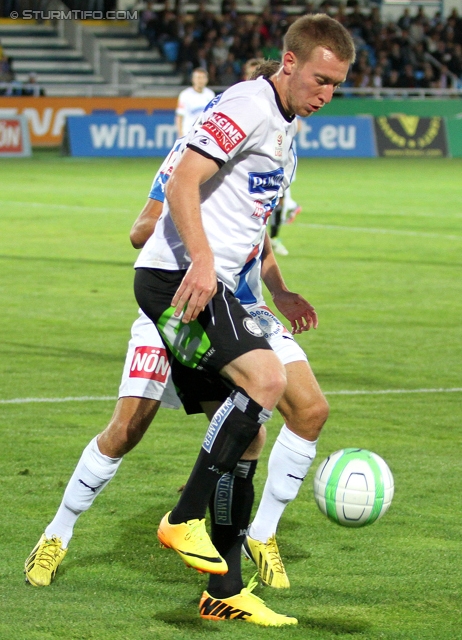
(230, 509)
(275, 221)
(230, 432)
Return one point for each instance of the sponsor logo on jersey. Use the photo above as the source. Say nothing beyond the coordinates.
(267, 181)
(264, 209)
(204, 141)
(151, 363)
(224, 130)
(278, 144)
(252, 327)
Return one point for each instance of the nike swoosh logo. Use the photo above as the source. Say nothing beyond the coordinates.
(88, 486)
(196, 555)
(289, 475)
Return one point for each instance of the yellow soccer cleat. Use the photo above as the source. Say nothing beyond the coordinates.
(43, 562)
(243, 606)
(269, 563)
(192, 543)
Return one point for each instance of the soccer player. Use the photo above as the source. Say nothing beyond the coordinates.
(128, 436)
(219, 196)
(192, 101)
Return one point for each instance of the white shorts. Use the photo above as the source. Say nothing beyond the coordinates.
(146, 371)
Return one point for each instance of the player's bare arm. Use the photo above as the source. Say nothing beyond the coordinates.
(179, 125)
(293, 306)
(182, 192)
(143, 227)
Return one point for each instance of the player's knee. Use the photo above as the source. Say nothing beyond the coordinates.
(307, 420)
(272, 382)
(320, 411)
(120, 436)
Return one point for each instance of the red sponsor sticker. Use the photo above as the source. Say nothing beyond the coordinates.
(10, 136)
(224, 130)
(151, 363)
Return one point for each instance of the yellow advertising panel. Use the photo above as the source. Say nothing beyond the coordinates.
(46, 116)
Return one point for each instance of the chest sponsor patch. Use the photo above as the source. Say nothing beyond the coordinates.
(266, 181)
(224, 130)
(151, 363)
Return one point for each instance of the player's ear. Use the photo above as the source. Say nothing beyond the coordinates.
(289, 60)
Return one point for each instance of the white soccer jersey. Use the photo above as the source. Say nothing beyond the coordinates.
(191, 103)
(245, 131)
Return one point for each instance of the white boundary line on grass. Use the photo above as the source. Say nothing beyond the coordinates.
(53, 400)
(396, 232)
(65, 207)
(346, 392)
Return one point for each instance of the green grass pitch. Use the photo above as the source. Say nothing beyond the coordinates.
(378, 251)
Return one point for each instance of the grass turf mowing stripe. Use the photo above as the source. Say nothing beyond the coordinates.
(397, 232)
(66, 207)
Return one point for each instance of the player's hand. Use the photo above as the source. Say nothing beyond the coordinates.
(195, 291)
(297, 310)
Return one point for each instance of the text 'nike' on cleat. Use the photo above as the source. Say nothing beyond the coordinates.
(269, 563)
(43, 562)
(243, 606)
(192, 543)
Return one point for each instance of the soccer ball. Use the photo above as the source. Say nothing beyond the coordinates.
(353, 487)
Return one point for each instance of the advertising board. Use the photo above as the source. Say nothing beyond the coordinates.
(14, 137)
(336, 137)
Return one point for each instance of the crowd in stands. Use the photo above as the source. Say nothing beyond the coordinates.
(417, 51)
(394, 55)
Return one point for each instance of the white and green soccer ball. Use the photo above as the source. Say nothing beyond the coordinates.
(353, 487)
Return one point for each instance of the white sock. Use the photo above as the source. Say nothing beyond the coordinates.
(290, 459)
(91, 475)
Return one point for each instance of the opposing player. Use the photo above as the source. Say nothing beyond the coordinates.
(219, 195)
(192, 101)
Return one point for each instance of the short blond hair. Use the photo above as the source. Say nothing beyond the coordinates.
(319, 30)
